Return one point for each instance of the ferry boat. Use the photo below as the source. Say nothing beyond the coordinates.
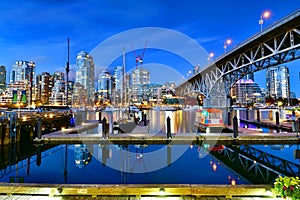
(209, 120)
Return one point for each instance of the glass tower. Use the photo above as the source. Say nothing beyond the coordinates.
(139, 77)
(2, 79)
(21, 71)
(85, 72)
(278, 82)
(105, 86)
(118, 76)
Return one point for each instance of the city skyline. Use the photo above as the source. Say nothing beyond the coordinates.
(38, 31)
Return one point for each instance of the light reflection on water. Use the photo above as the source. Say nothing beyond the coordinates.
(181, 121)
(95, 163)
(90, 164)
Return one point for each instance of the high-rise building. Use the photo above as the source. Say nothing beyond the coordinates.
(2, 79)
(246, 92)
(278, 82)
(118, 77)
(105, 86)
(57, 82)
(139, 77)
(85, 73)
(42, 88)
(23, 72)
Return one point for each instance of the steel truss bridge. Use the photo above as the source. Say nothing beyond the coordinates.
(278, 44)
(255, 165)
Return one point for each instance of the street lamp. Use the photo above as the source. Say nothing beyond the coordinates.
(264, 15)
(226, 43)
(210, 56)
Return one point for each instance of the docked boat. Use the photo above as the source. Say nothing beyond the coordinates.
(209, 120)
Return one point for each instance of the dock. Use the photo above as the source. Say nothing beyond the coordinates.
(140, 134)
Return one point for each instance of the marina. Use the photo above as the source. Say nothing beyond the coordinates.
(88, 160)
(204, 137)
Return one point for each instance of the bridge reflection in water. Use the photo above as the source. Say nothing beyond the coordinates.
(149, 164)
(202, 163)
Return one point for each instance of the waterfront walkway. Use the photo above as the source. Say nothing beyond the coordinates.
(135, 191)
(27, 197)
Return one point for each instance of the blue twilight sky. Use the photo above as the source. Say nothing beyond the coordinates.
(37, 30)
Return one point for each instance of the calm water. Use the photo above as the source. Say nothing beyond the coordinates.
(117, 164)
(124, 167)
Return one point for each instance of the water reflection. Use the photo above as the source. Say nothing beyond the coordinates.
(143, 163)
(202, 164)
(82, 155)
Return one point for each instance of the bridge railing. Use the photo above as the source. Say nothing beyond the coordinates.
(273, 26)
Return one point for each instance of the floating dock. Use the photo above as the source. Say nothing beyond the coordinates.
(245, 136)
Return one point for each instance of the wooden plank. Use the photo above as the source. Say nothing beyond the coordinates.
(134, 190)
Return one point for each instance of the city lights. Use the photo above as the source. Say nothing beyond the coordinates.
(226, 44)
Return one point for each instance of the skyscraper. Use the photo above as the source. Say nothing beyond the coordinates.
(2, 79)
(23, 72)
(118, 76)
(105, 86)
(42, 88)
(57, 82)
(278, 82)
(139, 77)
(85, 78)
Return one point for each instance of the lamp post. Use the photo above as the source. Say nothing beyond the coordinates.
(226, 43)
(210, 56)
(264, 15)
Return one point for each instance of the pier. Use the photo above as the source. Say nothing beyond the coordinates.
(90, 132)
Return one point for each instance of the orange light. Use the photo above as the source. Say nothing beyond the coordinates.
(233, 182)
(214, 167)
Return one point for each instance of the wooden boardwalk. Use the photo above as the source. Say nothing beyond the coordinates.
(134, 191)
(27, 197)
(121, 197)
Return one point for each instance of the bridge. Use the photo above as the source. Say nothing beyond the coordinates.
(278, 44)
(255, 165)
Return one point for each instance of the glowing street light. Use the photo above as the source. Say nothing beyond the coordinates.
(210, 56)
(226, 43)
(264, 15)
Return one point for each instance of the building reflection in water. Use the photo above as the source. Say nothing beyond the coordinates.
(82, 155)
